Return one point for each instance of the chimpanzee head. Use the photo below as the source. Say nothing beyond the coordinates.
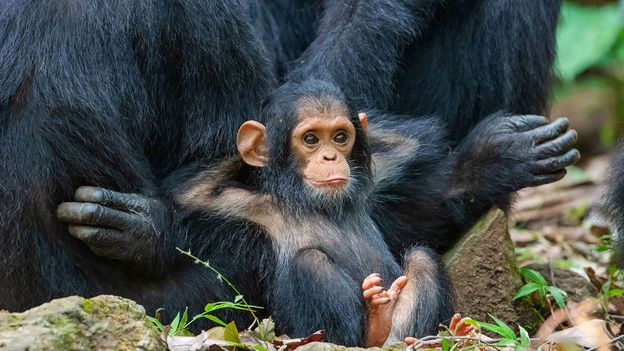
(313, 150)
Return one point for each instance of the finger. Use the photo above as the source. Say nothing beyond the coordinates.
(557, 146)
(93, 214)
(372, 280)
(464, 328)
(95, 236)
(557, 163)
(550, 131)
(547, 178)
(122, 201)
(397, 286)
(381, 299)
(368, 293)
(454, 321)
(528, 122)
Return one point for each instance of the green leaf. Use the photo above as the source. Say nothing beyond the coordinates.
(557, 294)
(527, 289)
(491, 327)
(156, 323)
(616, 292)
(265, 330)
(606, 287)
(231, 333)
(215, 319)
(184, 318)
(533, 276)
(508, 332)
(585, 35)
(174, 325)
(525, 340)
(210, 307)
(238, 298)
(446, 345)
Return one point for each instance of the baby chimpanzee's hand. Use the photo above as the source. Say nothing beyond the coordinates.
(115, 225)
(380, 304)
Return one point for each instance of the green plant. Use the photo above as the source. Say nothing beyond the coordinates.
(180, 323)
(537, 284)
(520, 342)
(608, 289)
(605, 243)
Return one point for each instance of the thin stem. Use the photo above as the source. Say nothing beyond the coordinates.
(226, 280)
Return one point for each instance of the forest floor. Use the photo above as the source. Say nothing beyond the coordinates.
(558, 226)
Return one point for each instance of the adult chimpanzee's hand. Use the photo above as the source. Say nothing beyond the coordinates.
(514, 152)
(127, 227)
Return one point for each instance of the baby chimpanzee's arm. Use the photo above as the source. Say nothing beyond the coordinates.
(214, 190)
(427, 194)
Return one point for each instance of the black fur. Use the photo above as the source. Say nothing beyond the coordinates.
(327, 244)
(127, 96)
(456, 61)
(141, 96)
(613, 209)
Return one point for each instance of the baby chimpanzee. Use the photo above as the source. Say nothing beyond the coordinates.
(311, 196)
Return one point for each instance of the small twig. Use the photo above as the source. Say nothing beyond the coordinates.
(434, 340)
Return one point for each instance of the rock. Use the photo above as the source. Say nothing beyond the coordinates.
(483, 269)
(75, 323)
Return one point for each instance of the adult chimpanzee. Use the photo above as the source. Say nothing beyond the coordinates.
(311, 190)
(119, 94)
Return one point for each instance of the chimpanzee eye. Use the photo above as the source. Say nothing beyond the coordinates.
(310, 139)
(341, 137)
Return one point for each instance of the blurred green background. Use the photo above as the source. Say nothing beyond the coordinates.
(590, 72)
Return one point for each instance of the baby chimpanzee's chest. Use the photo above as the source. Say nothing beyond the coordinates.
(356, 247)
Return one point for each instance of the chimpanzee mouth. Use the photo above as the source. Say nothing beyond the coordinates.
(329, 182)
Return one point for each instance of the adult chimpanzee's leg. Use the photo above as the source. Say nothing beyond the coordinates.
(127, 96)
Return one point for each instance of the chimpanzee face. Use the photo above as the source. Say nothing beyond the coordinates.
(321, 143)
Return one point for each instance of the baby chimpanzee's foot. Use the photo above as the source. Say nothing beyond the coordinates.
(380, 304)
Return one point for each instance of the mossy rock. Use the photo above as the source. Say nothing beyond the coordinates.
(75, 323)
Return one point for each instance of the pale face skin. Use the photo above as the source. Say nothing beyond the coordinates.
(324, 145)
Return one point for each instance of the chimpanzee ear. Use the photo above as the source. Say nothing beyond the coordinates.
(364, 121)
(251, 144)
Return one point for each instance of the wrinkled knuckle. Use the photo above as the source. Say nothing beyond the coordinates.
(105, 195)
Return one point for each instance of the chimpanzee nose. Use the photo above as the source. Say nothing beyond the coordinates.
(330, 156)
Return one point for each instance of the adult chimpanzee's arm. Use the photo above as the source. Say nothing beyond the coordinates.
(426, 195)
(359, 45)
